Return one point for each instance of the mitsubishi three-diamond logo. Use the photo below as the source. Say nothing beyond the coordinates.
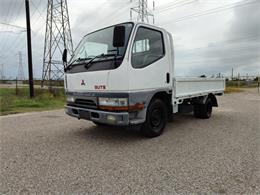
(83, 82)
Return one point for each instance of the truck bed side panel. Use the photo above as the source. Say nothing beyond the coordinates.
(192, 87)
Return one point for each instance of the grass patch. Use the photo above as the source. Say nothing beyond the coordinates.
(233, 90)
(11, 103)
(242, 84)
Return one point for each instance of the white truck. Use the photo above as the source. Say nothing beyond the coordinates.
(123, 75)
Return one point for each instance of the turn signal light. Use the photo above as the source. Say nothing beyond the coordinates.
(137, 106)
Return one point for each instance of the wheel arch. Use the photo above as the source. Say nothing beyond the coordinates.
(213, 99)
(166, 97)
(203, 99)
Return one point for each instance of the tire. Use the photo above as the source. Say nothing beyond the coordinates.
(203, 111)
(156, 119)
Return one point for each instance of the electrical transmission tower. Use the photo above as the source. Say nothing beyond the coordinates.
(57, 38)
(2, 73)
(141, 11)
(20, 75)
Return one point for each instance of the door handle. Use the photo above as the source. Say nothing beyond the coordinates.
(167, 77)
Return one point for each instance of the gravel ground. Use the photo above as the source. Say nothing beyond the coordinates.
(49, 152)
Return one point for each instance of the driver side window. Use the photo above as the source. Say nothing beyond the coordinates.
(147, 48)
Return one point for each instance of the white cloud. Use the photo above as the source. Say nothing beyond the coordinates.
(207, 44)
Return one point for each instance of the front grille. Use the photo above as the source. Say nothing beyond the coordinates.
(85, 103)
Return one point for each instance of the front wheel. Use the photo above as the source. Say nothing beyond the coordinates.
(156, 119)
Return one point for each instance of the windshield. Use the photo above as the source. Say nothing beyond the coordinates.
(100, 43)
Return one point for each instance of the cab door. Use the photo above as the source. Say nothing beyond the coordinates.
(150, 66)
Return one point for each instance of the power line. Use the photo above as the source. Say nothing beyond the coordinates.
(13, 25)
(19, 10)
(14, 8)
(8, 20)
(175, 5)
(39, 12)
(18, 41)
(166, 5)
(116, 12)
(40, 15)
(11, 31)
(212, 11)
(16, 45)
(6, 40)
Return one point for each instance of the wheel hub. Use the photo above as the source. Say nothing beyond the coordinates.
(156, 117)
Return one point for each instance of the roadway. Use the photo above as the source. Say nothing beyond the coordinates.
(49, 152)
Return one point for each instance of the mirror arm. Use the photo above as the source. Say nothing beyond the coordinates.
(64, 58)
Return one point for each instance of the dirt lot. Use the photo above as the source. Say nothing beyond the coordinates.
(49, 152)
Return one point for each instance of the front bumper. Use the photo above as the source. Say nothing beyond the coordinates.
(113, 118)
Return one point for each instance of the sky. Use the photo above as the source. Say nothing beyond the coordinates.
(210, 36)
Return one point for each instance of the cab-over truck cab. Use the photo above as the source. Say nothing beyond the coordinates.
(124, 75)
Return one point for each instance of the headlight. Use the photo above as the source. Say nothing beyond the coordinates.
(70, 99)
(119, 102)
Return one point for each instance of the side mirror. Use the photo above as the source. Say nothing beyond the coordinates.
(64, 56)
(119, 36)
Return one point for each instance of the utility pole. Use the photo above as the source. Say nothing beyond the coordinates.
(20, 75)
(238, 80)
(57, 38)
(141, 11)
(29, 48)
(232, 74)
(258, 83)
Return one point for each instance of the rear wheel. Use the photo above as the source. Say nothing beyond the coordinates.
(156, 119)
(203, 111)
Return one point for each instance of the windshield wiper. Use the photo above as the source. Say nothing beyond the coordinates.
(72, 63)
(89, 63)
